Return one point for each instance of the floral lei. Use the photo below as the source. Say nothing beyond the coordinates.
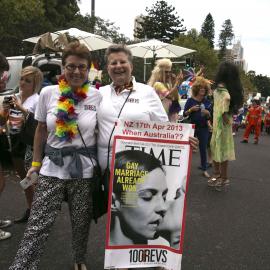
(66, 122)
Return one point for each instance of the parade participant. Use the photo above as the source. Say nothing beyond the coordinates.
(66, 115)
(228, 98)
(198, 108)
(4, 66)
(267, 121)
(167, 90)
(17, 109)
(125, 99)
(143, 103)
(135, 220)
(253, 121)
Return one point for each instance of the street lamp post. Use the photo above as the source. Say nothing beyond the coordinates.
(93, 15)
(92, 8)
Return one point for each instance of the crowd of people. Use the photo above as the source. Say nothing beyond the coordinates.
(74, 125)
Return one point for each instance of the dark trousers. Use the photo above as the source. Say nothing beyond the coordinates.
(202, 134)
(49, 194)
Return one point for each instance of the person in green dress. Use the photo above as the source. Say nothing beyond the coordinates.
(228, 98)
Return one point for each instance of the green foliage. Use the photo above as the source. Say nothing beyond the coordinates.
(247, 83)
(16, 19)
(225, 37)
(262, 84)
(22, 19)
(161, 22)
(98, 26)
(208, 29)
(60, 12)
(26, 18)
(205, 55)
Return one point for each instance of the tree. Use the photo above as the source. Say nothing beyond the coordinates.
(263, 84)
(98, 26)
(208, 29)
(225, 37)
(26, 18)
(16, 17)
(161, 22)
(204, 55)
(59, 12)
(247, 82)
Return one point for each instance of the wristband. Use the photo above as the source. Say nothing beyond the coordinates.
(36, 164)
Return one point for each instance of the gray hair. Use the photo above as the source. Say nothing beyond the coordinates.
(116, 48)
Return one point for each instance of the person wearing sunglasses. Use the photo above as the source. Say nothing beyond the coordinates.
(66, 116)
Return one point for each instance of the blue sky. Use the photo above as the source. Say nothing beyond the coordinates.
(250, 20)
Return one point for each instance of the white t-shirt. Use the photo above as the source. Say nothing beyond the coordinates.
(86, 110)
(143, 104)
(16, 117)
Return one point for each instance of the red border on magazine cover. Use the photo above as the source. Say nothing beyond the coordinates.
(107, 246)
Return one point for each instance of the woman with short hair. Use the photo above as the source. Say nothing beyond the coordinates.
(135, 221)
(66, 116)
(125, 98)
(198, 108)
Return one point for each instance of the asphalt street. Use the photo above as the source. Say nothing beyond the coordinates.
(227, 230)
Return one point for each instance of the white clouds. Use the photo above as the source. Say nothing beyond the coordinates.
(250, 20)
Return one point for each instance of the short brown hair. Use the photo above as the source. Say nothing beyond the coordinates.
(77, 49)
(200, 83)
(116, 48)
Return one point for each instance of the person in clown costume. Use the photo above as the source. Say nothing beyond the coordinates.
(253, 121)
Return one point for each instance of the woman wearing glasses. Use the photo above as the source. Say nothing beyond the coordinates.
(166, 87)
(66, 116)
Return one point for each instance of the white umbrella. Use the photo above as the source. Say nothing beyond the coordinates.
(159, 49)
(154, 48)
(92, 41)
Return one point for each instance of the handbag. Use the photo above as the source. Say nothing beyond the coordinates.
(5, 157)
(28, 130)
(99, 196)
(106, 174)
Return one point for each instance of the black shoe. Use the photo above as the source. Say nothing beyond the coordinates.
(256, 142)
(24, 218)
(244, 141)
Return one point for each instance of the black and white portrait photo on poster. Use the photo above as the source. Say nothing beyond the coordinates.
(147, 200)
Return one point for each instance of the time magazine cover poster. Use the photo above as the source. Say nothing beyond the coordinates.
(148, 182)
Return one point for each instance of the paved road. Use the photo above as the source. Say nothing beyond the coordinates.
(224, 231)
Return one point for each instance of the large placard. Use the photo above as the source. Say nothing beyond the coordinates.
(148, 183)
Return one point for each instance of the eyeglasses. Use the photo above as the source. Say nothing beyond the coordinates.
(72, 67)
